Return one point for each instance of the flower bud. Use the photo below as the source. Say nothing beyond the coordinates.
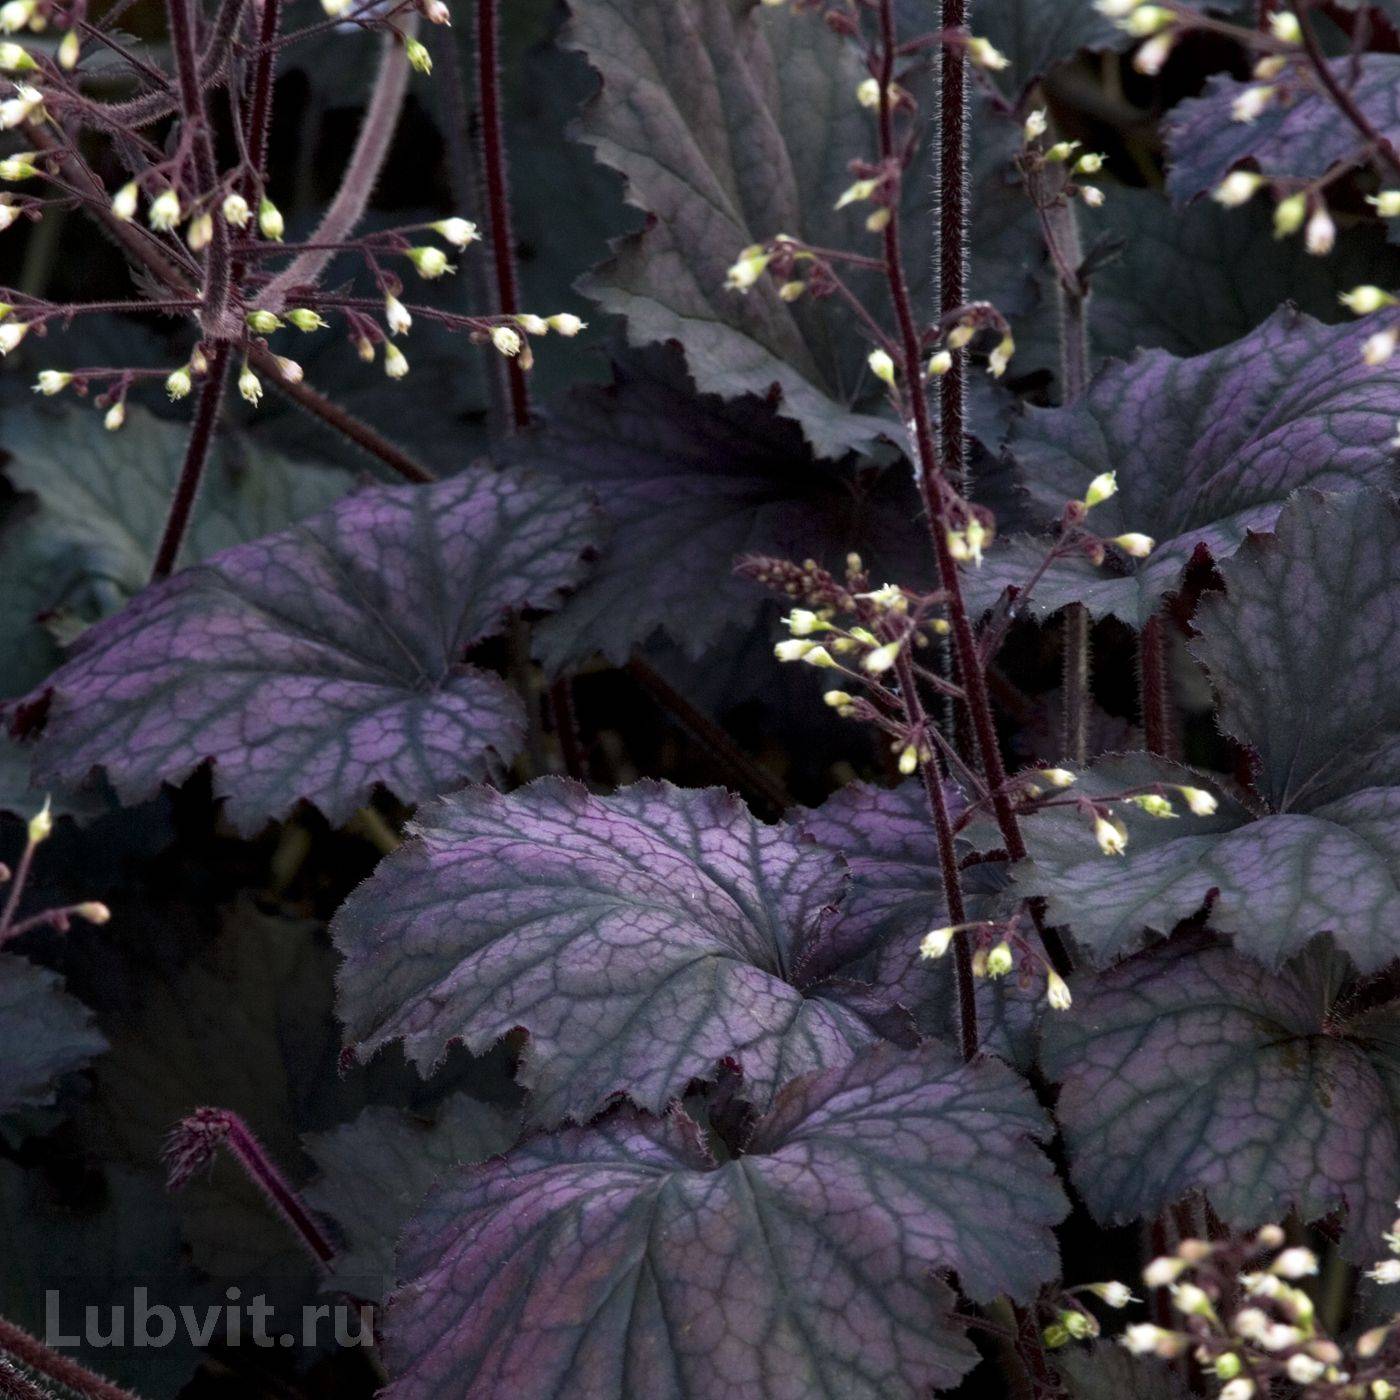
(1294, 1263)
(396, 316)
(940, 363)
(1193, 1300)
(1056, 1335)
(336, 9)
(1101, 488)
(1061, 151)
(304, 319)
(1135, 545)
(984, 54)
(1163, 1271)
(179, 383)
(819, 656)
(532, 324)
(436, 12)
(1112, 836)
(16, 15)
(1152, 56)
(11, 333)
(882, 658)
(1036, 125)
(289, 369)
(868, 93)
(1289, 215)
(1285, 27)
(458, 232)
(263, 322)
(115, 416)
(70, 49)
(1000, 357)
(236, 211)
(1090, 163)
(857, 193)
(1145, 20)
(1303, 1369)
(1116, 1295)
(1227, 1366)
(51, 382)
(419, 59)
(41, 824)
(1385, 1271)
(1153, 805)
(17, 110)
(791, 291)
(1241, 1388)
(395, 361)
(1386, 203)
(8, 213)
(881, 366)
(566, 324)
(164, 213)
(271, 224)
(250, 386)
(1251, 104)
(199, 363)
(1057, 777)
(1057, 991)
(908, 760)
(1237, 188)
(802, 623)
(792, 650)
(1320, 236)
(1000, 961)
(937, 941)
(430, 262)
(93, 911)
(20, 167)
(200, 232)
(1378, 348)
(14, 58)
(506, 340)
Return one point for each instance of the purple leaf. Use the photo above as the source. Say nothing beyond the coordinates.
(690, 483)
(639, 938)
(1205, 449)
(325, 659)
(624, 1260)
(1299, 136)
(1318, 600)
(44, 1034)
(1187, 1068)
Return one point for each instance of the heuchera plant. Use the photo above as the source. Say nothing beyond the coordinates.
(999, 997)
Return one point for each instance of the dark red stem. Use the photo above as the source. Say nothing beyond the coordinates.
(932, 777)
(934, 492)
(1153, 687)
(952, 234)
(206, 418)
(63, 1370)
(493, 162)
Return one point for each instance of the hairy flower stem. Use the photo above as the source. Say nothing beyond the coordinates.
(195, 114)
(1061, 230)
(206, 418)
(935, 494)
(932, 776)
(493, 162)
(1153, 686)
(62, 1370)
(382, 112)
(952, 234)
(197, 1138)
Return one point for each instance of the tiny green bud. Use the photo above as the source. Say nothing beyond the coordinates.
(1153, 804)
(304, 319)
(1200, 803)
(419, 59)
(1227, 1366)
(1289, 215)
(41, 824)
(1386, 203)
(1362, 301)
(271, 224)
(263, 322)
(1000, 961)
(115, 416)
(881, 366)
(430, 262)
(1237, 188)
(1101, 488)
(395, 361)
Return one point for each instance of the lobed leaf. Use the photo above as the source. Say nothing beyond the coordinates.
(1186, 1068)
(324, 659)
(1205, 449)
(1299, 136)
(689, 484)
(639, 939)
(44, 1034)
(624, 1260)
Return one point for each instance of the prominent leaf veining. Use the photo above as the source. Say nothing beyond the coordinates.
(799, 1267)
(1205, 449)
(327, 658)
(638, 938)
(1186, 1068)
(1301, 135)
(1320, 598)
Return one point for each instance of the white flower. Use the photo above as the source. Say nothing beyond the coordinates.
(1147, 19)
(1251, 104)
(18, 109)
(179, 383)
(396, 314)
(937, 941)
(1289, 215)
(395, 361)
(458, 232)
(940, 363)
(8, 214)
(14, 58)
(289, 369)
(1241, 1388)
(1143, 1339)
(115, 417)
(1285, 28)
(164, 212)
(11, 333)
(1200, 802)
(1058, 777)
(1093, 196)
(236, 210)
(1000, 960)
(200, 233)
(430, 262)
(1385, 1271)
(1303, 1369)
(985, 54)
(881, 366)
(1111, 836)
(506, 340)
(19, 167)
(436, 12)
(336, 9)
(1320, 237)
(566, 323)
(271, 224)
(1100, 489)
(1163, 1271)
(250, 386)
(792, 650)
(1000, 357)
(1037, 124)
(819, 656)
(1386, 203)
(882, 658)
(1152, 56)
(51, 382)
(532, 324)
(69, 49)
(802, 623)
(1057, 991)
(1138, 546)
(1115, 1294)
(15, 15)
(1090, 163)
(1237, 188)
(1294, 1263)
(1380, 347)
(857, 193)
(868, 93)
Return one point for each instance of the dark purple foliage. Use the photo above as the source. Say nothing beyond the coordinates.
(44, 1034)
(1205, 450)
(626, 1260)
(639, 939)
(322, 661)
(1187, 1068)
